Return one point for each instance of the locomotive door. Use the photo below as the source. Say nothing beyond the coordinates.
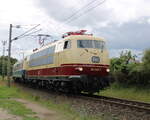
(58, 56)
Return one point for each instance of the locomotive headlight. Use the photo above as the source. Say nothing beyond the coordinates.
(107, 70)
(79, 68)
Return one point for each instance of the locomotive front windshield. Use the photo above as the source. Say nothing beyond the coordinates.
(91, 44)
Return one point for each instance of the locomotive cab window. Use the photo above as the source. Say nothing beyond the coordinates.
(67, 44)
(84, 44)
(97, 44)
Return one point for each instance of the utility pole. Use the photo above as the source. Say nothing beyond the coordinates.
(3, 59)
(9, 47)
(9, 55)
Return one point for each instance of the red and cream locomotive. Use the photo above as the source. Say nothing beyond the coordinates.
(78, 62)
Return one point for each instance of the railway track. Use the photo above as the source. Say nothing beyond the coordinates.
(117, 108)
(141, 106)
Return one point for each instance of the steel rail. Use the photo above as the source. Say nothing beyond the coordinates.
(118, 101)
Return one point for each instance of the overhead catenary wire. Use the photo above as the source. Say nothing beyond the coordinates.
(54, 28)
(47, 26)
(31, 34)
(82, 11)
(25, 32)
(75, 13)
(69, 19)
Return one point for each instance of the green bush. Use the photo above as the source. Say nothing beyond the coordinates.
(127, 71)
(13, 61)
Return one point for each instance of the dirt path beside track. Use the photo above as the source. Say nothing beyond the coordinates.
(41, 112)
(4, 115)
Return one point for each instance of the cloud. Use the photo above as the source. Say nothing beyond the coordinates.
(61, 10)
(115, 11)
(125, 23)
(131, 35)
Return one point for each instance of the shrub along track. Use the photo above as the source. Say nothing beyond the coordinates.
(105, 107)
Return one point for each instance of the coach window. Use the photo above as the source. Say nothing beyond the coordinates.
(67, 44)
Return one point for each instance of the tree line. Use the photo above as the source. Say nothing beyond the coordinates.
(3, 64)
(126, 70)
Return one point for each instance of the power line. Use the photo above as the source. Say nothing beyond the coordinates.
(30, 34)
(71, 18)
(51, 26)
(87, 11)
(25, 32)
(80, 9)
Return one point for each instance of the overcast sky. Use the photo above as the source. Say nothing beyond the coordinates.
(125, 24)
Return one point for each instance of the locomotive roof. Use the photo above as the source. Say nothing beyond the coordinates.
(84, 37)
(70, 37)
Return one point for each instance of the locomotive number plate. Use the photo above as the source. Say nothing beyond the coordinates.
(95, 69)
(95, 59)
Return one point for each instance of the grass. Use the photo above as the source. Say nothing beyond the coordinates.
(131, 93)
(6, 92)
(17, 108)
(13, 107)
(63, 108)
(67, 111)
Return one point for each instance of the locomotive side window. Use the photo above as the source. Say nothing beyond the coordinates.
(67, 44)
(43, 57)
